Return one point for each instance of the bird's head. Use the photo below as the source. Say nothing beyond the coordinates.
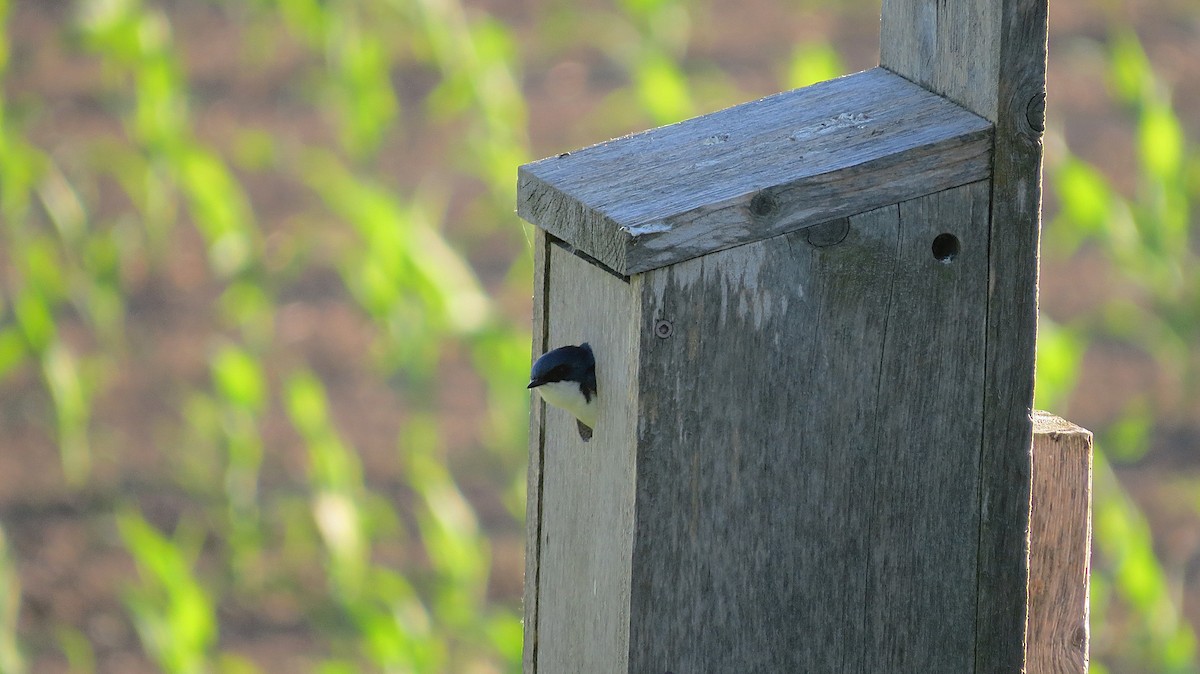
(565, 364)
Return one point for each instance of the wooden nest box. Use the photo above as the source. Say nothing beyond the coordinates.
(813, 317)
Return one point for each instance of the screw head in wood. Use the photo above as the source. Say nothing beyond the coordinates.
(663, 328)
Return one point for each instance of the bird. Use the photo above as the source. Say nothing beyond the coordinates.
(566, 378)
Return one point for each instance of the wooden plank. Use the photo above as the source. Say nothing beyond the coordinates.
(755, 171)
(587, 498)
(990, 56)
(795, 513)
(1012, 329)
(924, 562)
(950, 48)
(537, 445)
(1059, 547)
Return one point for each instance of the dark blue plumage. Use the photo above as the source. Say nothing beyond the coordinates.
(566, 378)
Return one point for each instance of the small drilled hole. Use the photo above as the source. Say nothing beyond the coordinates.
(945, 247)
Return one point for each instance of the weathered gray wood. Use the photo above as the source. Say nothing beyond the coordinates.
(1059, 547)
(756, 170)
(822, 453)
(990, 56)
(951, 48)
(537, 445)
(796, 511)
(928, 426)
(748, 472)
(779, 526)
(587, 497)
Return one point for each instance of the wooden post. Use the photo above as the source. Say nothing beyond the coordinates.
(990, 57)
(813, 317)
(1060, 527)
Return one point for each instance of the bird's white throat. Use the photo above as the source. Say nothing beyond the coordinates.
(566, 395)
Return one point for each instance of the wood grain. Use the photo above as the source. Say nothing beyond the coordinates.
(808, 462)
(754, 171)
(1059, 547)
(831, 467)
(537, 444)
(585, 537)
(990, 56)
(950, 48)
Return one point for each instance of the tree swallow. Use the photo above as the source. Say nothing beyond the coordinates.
(566, 378)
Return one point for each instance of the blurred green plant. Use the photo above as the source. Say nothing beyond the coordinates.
(240, 399)
(410, 279)
(37, 282)
(77, 648)
(813, 62)
(11, 659)
(394, 625)
(136, 45)
(173, 613)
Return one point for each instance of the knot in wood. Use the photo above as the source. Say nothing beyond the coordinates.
(1079, 639)
(763, 204)
(1035, 112)
(827, 233)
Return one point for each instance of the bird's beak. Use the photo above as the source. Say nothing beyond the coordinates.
(534, 383)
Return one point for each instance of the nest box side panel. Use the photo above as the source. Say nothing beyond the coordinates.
(809, 447)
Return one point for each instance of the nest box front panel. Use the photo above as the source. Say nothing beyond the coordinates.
(808, 460)
(584, 520)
